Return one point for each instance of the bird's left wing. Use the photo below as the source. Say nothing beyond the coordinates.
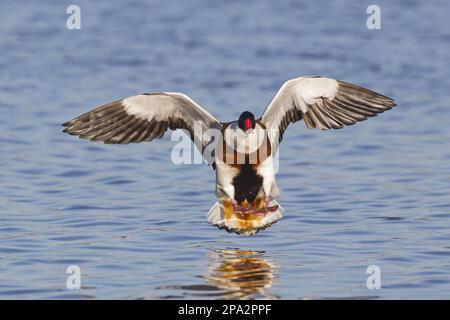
(143, 118)
(322, 103)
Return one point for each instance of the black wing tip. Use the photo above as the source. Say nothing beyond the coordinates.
(80, 136)
(68, 128)
(69, 125)
(387, 105)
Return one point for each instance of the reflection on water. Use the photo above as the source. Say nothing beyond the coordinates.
(242, 274)
(233, 274)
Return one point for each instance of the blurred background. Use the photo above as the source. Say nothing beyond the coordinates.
(376, 193)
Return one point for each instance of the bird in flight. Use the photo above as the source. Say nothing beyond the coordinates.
(241, 152)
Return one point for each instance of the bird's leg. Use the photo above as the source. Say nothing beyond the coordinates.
(267, 200)
(267, 208)
(241, 208)
(235, 204)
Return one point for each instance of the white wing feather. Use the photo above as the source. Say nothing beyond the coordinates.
(322, 103)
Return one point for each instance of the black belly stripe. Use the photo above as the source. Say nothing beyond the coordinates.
(247, 184)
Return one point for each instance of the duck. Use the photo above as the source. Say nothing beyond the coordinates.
(241, 152)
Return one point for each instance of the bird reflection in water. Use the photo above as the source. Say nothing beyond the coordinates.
(231, 274)
(241, 274)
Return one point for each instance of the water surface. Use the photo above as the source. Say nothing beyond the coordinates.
(376, 193)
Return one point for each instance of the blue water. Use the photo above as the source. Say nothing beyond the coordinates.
(376, 193)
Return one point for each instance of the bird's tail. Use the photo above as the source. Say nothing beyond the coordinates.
(223, 216)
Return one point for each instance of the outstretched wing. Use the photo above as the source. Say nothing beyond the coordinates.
(143, 118)
(322, 103)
